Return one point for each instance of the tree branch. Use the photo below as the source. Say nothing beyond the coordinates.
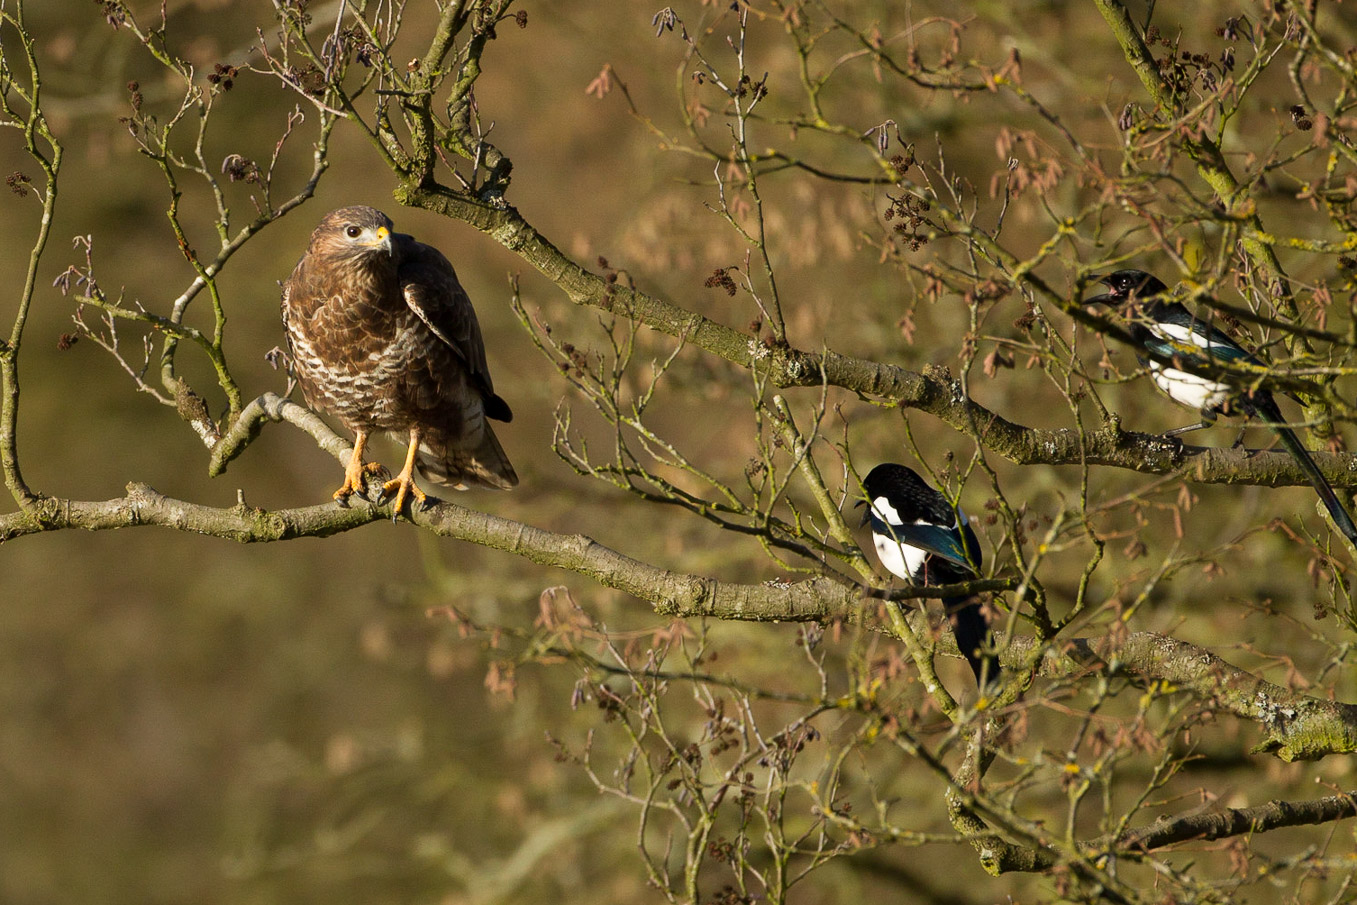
(1296, 726)
(932, 390)
(272, 407)
(1240, 821)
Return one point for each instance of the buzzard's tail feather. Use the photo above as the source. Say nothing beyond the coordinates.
(497, 408)
(446, 464)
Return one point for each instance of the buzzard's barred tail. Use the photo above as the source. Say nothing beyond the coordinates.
(445, 464)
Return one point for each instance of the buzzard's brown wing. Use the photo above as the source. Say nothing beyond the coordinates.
(433, 292)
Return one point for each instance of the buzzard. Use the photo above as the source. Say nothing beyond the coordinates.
(382, 336)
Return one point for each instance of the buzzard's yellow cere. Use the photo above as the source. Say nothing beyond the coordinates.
(382, 336)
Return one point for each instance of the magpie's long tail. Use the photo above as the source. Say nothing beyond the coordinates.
(973, 638)
(1266, 406)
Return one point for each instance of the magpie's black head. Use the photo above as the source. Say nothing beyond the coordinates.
(907, 493)
(1124, 285)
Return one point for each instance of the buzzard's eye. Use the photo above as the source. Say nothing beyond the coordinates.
(353, 232)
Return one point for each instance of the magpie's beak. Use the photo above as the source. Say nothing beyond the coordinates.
(1111, 299)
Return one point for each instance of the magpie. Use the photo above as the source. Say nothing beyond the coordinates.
(1170, 330)
(920, 537)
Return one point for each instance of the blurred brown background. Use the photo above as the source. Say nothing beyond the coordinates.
(182, 719)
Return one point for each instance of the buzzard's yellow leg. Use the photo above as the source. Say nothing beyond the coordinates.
(355, 472)
(404, 482)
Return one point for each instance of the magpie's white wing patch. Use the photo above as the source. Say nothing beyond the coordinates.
(1173, 339)
(1184, 335)
(890, 515)
(886, 512)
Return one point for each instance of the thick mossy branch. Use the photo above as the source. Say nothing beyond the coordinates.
(1240, 822)
(672, 593)
(1295, 726)
(143, 505)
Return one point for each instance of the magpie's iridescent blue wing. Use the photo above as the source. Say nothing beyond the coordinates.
(1196, 340)
(944, 542)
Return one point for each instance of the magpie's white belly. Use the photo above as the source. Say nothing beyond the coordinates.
(901, 560)
(1195, 392)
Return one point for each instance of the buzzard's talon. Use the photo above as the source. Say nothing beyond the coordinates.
(404, 483)
(355, 481)
(381, 473)
(356, 472)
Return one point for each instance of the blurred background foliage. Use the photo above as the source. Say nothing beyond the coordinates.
(188, 720)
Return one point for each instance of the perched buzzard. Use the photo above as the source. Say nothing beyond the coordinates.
(383, 336)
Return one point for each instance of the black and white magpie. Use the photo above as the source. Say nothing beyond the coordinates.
(1168, 329)
(920, 537)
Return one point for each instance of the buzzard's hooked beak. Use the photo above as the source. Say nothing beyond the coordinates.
(384, 240)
